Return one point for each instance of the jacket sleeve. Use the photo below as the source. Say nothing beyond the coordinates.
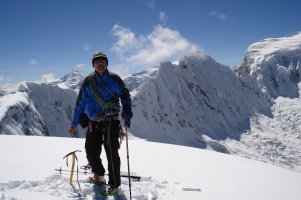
(126, 98)
(80, 104)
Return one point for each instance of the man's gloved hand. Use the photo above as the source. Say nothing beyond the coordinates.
(127, 115)
(72, 130)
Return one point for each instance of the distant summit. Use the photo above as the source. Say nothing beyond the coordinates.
(72, 81)
(275, 65)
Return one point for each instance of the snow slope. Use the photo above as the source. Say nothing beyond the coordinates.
(169, 172)
(275, 139)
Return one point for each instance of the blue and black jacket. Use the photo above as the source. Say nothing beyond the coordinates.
(109, 86)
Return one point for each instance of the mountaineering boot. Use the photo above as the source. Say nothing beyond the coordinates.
(111, 191)
(99, 180)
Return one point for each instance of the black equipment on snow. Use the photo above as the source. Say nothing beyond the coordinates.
(133, 177)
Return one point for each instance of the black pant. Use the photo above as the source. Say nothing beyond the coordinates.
(104, 133)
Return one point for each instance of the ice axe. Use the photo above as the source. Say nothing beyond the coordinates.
(74, 157)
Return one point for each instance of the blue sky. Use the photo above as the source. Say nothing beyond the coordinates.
(44, 40)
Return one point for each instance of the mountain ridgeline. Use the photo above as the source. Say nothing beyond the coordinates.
(41, 109)
(196, 102)
(179, 103)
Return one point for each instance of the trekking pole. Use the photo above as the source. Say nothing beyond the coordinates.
(128, 159)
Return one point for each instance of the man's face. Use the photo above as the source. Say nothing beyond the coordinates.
(100, 66)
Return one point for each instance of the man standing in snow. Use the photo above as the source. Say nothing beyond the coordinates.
(98, 101)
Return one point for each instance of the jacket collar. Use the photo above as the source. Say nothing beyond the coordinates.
(103, 77)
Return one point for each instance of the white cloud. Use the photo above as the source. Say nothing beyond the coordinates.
(162, 17)
(9, 87)
(126, 39)
(47, 78)
(33, 61)
(216, 15)
(6, 86)
(160, 45)
(3, 78)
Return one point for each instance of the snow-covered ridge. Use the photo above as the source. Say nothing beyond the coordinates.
(136, 81)
(19, 117)
(11, 99)
(180, 103)
(56, 106)
(40, 108)
(275, 65)
(267, 48)
(37, 109)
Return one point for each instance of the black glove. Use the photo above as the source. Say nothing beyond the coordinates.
(127, 115)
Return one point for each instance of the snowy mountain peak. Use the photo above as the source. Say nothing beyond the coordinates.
(197, 97)
(275, 47)
(274, 64)
(136, 81)
(71, 81)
